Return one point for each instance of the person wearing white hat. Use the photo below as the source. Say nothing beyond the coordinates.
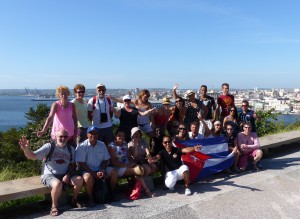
(100, 110)
(128, 115)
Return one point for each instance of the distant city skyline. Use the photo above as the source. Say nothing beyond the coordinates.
(141, 43)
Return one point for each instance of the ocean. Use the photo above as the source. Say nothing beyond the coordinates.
(13, 109)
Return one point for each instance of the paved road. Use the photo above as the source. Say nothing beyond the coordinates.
(271, 193)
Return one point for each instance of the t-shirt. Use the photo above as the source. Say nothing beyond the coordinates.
(121, 152)
(172, 160)
(225, 101)
(81, 113)
(93, 156)
(209, 102)
(248, 117)
(101, 106)
(59, 161)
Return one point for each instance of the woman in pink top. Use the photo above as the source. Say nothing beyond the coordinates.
(61, 116)
(249, 146)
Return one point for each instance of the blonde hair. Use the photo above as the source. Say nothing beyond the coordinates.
(62, 89)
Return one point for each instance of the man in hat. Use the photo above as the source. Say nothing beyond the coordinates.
(92, 155)
(56, 169)
(100, 110)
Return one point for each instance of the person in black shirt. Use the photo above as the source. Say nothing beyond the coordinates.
(171, 157)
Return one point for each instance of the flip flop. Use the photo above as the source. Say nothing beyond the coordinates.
(54, 212)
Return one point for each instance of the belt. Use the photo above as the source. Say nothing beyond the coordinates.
(143, 124)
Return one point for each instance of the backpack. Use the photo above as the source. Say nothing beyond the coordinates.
(109, 103)
(48, 157)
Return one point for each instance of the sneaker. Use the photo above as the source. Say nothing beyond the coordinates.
(187, 191)
(171, 189)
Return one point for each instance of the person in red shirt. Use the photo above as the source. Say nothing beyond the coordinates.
(224, 102)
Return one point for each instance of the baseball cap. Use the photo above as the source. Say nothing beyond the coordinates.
(127, 97)
(91, 129)
(100, 85)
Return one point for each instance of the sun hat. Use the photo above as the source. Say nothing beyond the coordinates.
(91, 129)
(166, 100)
(138, 170)
(134, 130)
(127, 97)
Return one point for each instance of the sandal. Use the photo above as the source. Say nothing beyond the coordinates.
(54, 212)
(75, 204)
(150, 194)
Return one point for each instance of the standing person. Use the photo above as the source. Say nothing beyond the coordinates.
(192, 105)
(177, 116)
(62, 116)
(171, 157)
(247, 115)
(162, 115)
(249, 146)
(224, 101)
(56, 170)
(128, 117)
(100, 109)
(81, 112)
(92, 155)
(209, 102)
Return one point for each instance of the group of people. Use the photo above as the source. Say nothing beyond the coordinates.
(83, 138)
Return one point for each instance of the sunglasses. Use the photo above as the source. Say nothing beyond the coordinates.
(103, 90)
(167, 142)
(217, 124)
(127, 100)
(63, 136)
(182, 128)
(177, 101)
(80, 92)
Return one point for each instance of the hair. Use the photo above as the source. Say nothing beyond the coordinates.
(247, 123)
(61, 89)
(143, 92)
(235, 109)
(246, 101)
(228, 124)
(204, 86)
(225, 84)
(78, 87)
(196, 123)
(119, 131)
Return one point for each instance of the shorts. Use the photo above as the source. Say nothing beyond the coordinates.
(48, 179)
(145, 128)
(120, 170)
(173, 176)
(107, 172)
(243, 158)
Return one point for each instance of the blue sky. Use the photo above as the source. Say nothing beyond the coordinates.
(149, 43)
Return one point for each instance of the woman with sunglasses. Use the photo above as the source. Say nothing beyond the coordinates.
(249, 146)
(231, 138)
(183, 133)
(232, 118)
(128, 115)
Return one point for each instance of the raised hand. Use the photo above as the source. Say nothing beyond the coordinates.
(24, 142)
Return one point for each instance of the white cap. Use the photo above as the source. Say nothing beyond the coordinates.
(127, 97)
(100, 85)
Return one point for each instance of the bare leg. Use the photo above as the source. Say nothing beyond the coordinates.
(186, 178)
(76, 182)
(56, 190)
(89, 186)
(258, 156)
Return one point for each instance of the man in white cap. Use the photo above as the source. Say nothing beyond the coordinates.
(100, 110)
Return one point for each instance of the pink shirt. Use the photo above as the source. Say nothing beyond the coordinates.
(63, 119)
(250, 140)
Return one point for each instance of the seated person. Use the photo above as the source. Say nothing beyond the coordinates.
(138, 153)
(183, 133)
(171, 157)
(56, 171)
(194, 133)
(249, 146)
(92, 156)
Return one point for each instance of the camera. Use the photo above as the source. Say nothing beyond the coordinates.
(103, 117)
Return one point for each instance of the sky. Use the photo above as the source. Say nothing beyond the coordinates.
(149, 43)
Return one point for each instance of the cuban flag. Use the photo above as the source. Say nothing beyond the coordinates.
(213, 158)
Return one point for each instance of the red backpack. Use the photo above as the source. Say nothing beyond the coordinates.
(109, 103)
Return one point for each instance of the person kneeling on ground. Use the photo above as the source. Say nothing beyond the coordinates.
(56, 168)
(249, 146)
(171, 157)
(92, 156)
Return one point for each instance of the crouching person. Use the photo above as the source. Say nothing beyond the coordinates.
(92, 156)
(171, 157)
(59, 163)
